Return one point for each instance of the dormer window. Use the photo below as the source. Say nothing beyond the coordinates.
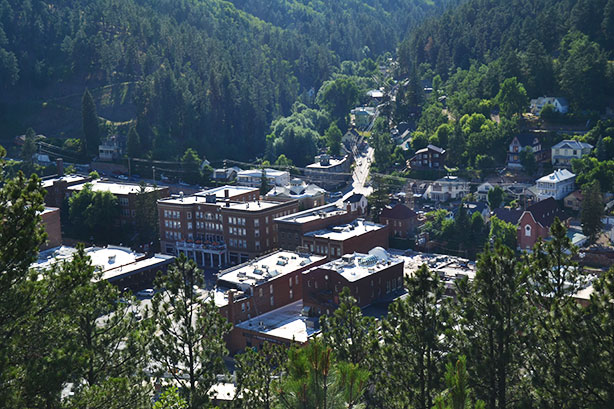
(527, 230)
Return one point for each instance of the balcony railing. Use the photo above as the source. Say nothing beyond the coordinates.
(202, 245)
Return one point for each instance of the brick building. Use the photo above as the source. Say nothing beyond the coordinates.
(53, 227)
(222, 226)
(260, 286)
(402, 221)
(291, 228)
(357, 236)
(126, 194)
(56, 188)
(533, 223)
(370, 277)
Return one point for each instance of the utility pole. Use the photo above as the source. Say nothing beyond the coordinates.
(153, 168)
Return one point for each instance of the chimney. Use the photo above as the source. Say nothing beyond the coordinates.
(231, 307)
(59, 163)
(226, 193)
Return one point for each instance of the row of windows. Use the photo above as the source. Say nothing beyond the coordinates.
(172, 224)
(334, 251)
(173, 235)
(237, 231)
(242, 244)
(237, 220)
(174, 214)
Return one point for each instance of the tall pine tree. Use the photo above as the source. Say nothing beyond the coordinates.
(91, 125)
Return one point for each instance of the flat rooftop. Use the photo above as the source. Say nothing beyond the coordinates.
(354, 267)
(258, 172)
(346, 231)
(66, 178)
(254, 206)
(265, 268)
(331, 164)
(250, 206)
(115, 188)
(306, 216)
(220, 192)
(286, 322)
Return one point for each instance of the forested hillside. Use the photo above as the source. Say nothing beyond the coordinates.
(353, 29)
(199, 74)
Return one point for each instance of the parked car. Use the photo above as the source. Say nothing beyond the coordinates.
(146, 293)
(122, 177)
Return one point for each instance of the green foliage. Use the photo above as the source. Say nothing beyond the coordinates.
(333, 139)
(492, 326)
(589, 169)
(592, 210)
(527, 160)
(316, 380)
(419, 140)
(91, 125)
(133, 143)
(503, 232)
(414, 344)
(170, 399)
(190, 165)
(257, 372)
(93, 214)
(146, 220)
(512, 97)
(264, 183)
(457, 395)
(190, 332)
(94, 175)
(382, 144)
(338, 97)
(29, 146)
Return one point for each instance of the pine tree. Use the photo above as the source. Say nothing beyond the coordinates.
(91, 125)
(493, 309)
(554, 280)
(29, 146)
(457, 395)
(133, 144)
(412, 363)
(189, 341)
(264, 183)
(592, 210)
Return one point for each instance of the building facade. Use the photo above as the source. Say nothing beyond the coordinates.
(557, 185)
(53, 227)
(400, 219)
(447, 188)
(431, 157)
(253, 177)
(519, 143)
(220, 229)
(328, 172)
(369, 277)
(564, 151)
(308, 195)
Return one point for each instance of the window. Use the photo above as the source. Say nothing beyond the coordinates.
(189, 225)
(256, 222)
(272, 301)
(271, 288)
(260, 291)
(291, 294)
(296, 280)
(242, 307)
(189, 215)
(290, 282)
(527, 230)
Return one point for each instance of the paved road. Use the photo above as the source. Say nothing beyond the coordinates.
(360, 175)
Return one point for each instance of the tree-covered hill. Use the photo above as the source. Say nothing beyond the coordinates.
(484, 30)
(353, 29)
(193, 73)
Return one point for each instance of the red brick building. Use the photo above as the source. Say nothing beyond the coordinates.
(260, 286)
(358, 236)
(53, 227)
(400, 219)
(57, 187)
(291, 228)
(370, 277)
(229, 226)
(533, 223)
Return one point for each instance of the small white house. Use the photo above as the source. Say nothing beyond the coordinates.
(557, 185)
(253, 177)
(447, 188)
(560, 104)
(482, 191)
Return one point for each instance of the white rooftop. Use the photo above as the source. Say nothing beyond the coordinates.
(557, 176)
(308, 215)
(258, 172)
(346, 231)
(67, 178)
(232, 191)
(332, 163)
(115, 188)
(357, 266)
(286, 322)
(266, 268)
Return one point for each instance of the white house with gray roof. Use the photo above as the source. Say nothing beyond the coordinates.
(564, 151)
(557, 185)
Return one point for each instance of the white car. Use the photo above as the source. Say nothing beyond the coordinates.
(146, 293)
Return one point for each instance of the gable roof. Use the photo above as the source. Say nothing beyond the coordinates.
(431, 148)
(508, 215)
(526, 139)
(398, 211)
(355, 198)
(570, 144)
(557, 176)
(545, 211)
(471, 208)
